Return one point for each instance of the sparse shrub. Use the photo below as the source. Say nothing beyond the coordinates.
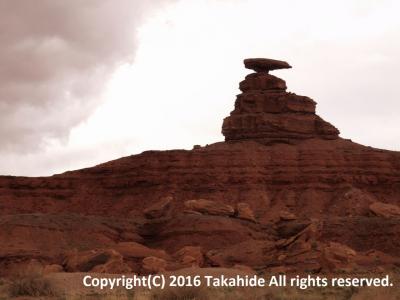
(33, 285)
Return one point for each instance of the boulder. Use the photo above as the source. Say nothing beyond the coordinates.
(210, 207)
(385, 210)
(159, 209)
(114, 266)
(244, 268)
(245, 212)
(136, 250)
(285, 215)
(252, 253)
(153, 264)
(53, 268)
(301, 241)
(191, 212)
(85, 261)
(291, 228)
(190, 256)
(336, 256)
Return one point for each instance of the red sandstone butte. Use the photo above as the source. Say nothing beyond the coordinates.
(305, 198)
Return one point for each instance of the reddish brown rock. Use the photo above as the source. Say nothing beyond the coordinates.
(262, 81)
(278, 155)
(90, 260)
(385, 210)
(300, 252)
(159, 209)
(26, 236)
(207, 231)
(269, 128)
(291, 228)
(114, 266)
(266, 113)
(364, 233)
(265, 64)
(245, 269)
(375, 260)
(136, 250)
(252, 253)
(153, 264)
(54, 268)
(210, 207)
(353, 202)
(300, 240)
(285, 215)
(190, 256)
(320, 169)
(191, 212)
(245, 212)
(336, 256)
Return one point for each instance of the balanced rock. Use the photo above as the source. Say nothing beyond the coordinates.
(265, 64)
(210, 207)
(266, 113)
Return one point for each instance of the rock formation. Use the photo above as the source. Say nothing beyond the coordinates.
(265, 112)
(283, 193)
(265, 64)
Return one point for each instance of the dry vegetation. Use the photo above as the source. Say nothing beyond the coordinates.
(33, 285)
(39, 287)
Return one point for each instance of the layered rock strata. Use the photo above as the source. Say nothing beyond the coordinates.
(284, 192)
(265, 112)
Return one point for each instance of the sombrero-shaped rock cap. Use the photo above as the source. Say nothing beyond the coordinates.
(265, 64)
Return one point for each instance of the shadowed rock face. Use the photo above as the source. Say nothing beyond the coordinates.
(265, 112)
(282, 193)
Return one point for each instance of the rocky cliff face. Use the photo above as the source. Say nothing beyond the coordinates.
(283, 187)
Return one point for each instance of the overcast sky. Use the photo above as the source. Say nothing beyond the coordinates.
(86, 81)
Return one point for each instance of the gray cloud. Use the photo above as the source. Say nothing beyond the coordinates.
(54, 59)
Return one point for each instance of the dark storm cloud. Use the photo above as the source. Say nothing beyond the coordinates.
(54, 59)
